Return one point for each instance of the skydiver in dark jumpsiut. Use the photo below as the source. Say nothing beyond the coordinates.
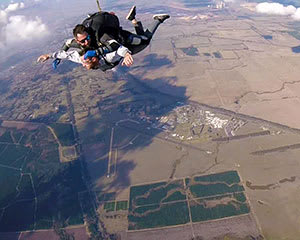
(100, 42)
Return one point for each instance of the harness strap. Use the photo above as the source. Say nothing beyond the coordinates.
(98, 4)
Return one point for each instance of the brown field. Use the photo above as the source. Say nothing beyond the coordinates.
(176, 233)
(253, 76)
(239, 227)
(20, 125)
(261, 74)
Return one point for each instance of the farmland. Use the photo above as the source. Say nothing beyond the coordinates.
(36, 189)
(206, 197)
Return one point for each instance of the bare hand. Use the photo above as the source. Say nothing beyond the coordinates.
(128, 60)
(43, 58)
(86, 62)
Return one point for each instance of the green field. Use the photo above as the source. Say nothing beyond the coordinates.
(33, 172)
(148, 208)
(6, 137)
(207, 209)
(202, 190)
(86, 204)
(44, 224)
(122, 205)
(214, 184)
(105, 197)
(155, 193)
(145, 209)
(9, 180)
(165, 215)
(229, 178)
(162, 204)
(2, 147)
(12, 153)
(17, 217)
(109, 206)
(25, 188)
(17, 136)
(175, 197)
(64, 133)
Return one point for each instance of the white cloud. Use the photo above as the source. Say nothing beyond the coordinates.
(18, 28)
(10, 8)
(278, 9)
(275, 8)
(3, 17)
(296, 15)
(14, 6)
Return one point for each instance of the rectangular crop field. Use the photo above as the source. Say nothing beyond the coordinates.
(206, 198)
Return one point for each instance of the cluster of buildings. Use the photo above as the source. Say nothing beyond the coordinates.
(185, 122)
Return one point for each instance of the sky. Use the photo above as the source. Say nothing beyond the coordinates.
(31, 22)
(17, 26)
(24, 21)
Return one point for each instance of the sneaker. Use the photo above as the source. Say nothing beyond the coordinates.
(161, 17)
(131, 14)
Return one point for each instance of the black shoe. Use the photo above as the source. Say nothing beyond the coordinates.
(161, 17)
(131, 14)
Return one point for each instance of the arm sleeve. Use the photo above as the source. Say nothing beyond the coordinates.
(73, 56)
(122, 51)
(116, 56)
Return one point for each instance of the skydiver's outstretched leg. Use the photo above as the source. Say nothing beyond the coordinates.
(137, 24)
(138, 42)
(157, 20)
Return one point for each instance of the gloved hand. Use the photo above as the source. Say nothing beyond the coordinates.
(55, 63)
(89, 54)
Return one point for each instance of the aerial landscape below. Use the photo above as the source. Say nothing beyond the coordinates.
(198, 140)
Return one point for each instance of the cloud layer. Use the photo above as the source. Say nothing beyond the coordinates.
(19, 28)
(10, 8)
(278, 9)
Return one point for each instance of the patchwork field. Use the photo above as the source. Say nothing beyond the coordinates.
(36, 189)
(196, 199)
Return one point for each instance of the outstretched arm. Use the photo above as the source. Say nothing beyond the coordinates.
(116, 56)
(70, 55)
(43, 58)
(128, 60)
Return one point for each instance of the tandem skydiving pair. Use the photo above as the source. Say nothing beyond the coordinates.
(101, 43)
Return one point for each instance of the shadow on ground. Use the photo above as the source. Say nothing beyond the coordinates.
(64, 191)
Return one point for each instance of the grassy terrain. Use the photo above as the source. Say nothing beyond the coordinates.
(154, 193)
(109, 206)
(201, 211)
(167, 215)
(104, 197)
(64, 133)
(214, 184)
(175, 197)
(12, 153)
(226, 177)
(19, 216)
(25, 188)
(6, 137)
(38, 174)
(162, 204)
(9, 179)
(122, 205)
(202, 190)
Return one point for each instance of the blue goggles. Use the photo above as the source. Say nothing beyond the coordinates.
(88, 37)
